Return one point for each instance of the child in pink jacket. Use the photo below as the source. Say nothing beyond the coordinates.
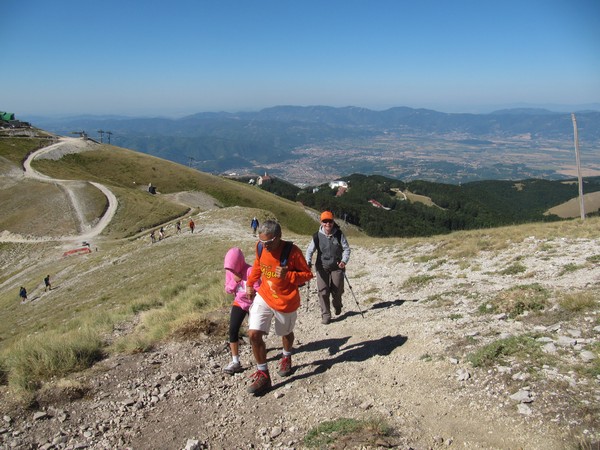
(236, 274)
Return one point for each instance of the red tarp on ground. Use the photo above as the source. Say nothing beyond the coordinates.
(77, 251)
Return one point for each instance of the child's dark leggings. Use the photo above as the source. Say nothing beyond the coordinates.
(235, 322)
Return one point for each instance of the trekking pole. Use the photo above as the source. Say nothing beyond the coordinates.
(307, 293)
(355, 299)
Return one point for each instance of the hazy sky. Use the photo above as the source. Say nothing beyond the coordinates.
(180, 57)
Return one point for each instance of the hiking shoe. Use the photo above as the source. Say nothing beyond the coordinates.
(338, 310)
(261, 383)
(325, 320)
(285, 366)
(233, 367)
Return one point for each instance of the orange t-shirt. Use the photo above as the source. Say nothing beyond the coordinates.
(281, 294)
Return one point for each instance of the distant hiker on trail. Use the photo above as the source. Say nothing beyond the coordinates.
(48, 286)
(23, 294)
(192, 225)
(277, 297)
(161, 234)
(178, 225)
(333, 253)
(254, 225)
(236, 274)
(152, 237)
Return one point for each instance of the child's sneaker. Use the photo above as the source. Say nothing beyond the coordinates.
(285, 366)
(261, 383)
(233, 367)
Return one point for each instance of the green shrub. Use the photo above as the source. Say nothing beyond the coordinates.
(595, 259)
(518, 299)
(568, 268)
(495, 352)
(513, 269)
(331, 431)
(417, 281)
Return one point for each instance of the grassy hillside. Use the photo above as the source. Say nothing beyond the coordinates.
(131, 172)
(570, 208)
(16, 149)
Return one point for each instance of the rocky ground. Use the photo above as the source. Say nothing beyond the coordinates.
(398, 357)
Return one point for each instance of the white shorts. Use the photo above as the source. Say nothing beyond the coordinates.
(261, 315)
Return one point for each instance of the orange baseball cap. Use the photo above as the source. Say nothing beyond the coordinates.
(326, 215)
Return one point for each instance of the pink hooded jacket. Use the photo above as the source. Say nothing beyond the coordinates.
(234, 260)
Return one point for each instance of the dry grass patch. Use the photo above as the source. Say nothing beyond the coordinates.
(349, 433)
(36, 208)
(576, 302)
(468, 244)
(138, 211)
(184, 311)
(572, 306)
(60, 392)
(513, 269)
(439, 301)
(371, 290)
(518, 299)
(53, 354)
(193, 328)
(570, 267)
(417, 281)
(17, 149)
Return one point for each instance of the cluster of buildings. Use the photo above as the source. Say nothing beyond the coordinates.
(8, 121)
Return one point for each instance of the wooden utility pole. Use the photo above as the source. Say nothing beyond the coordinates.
(577, 160)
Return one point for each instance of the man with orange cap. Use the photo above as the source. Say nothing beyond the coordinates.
(333, 253)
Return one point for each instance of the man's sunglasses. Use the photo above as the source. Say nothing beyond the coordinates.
(268, 241)
(327, 221)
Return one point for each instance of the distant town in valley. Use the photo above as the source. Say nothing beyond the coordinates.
(317, 144)
(444, 159)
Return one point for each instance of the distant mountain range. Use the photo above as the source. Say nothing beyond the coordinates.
(225, 141)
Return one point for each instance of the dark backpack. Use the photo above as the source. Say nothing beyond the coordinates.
(337, 234)
(285, 253)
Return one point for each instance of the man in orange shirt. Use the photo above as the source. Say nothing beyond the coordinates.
(278, 297)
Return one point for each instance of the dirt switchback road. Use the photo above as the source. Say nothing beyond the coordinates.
(55, 151)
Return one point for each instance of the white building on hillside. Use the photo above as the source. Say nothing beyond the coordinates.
(338, 184)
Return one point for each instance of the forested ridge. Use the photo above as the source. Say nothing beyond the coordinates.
(480, 204)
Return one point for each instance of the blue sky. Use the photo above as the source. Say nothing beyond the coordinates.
(177, 57)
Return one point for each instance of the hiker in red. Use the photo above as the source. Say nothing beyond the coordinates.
(277, 297)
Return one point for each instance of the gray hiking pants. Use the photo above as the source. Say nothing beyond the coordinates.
(330, 284)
